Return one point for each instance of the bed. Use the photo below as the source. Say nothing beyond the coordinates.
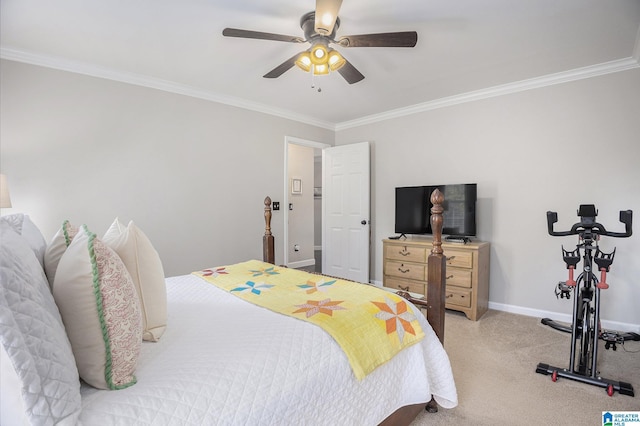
(217, 360)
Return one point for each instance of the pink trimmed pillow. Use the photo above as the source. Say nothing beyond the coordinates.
(144, 265)
(56, 249)
(101, 312)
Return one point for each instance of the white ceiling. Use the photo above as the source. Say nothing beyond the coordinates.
(464, 46)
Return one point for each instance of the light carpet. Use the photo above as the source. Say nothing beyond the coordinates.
(494, 361)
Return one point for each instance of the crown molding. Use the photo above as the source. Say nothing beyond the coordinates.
(168, 86)
(154, 83)
(501, 90)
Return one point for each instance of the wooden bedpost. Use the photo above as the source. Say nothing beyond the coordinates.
(268, 252)
(437, 265)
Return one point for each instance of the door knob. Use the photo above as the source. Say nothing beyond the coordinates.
(364, 222)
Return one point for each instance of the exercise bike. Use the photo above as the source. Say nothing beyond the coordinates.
(585, 329)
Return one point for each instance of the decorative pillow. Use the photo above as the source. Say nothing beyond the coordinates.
(22, 224)
(100, 310)
(144, 265)
(34, 341)
(56, 249)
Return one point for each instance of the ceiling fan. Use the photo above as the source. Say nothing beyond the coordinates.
(319, 29)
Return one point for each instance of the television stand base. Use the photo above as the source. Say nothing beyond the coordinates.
(397, 237)
(457, 239)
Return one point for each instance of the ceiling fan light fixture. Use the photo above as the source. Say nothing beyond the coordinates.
(319, 55)
(335, 61)
(304, 61)
(322, 69)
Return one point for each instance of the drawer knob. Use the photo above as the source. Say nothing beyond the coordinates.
(449, 296)
(404, 271)
(450, 258)
(450, 276)
(404, 251)
(403, 288)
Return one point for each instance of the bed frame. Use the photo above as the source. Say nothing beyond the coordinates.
(436, 279)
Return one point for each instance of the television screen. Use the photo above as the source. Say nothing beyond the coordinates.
(411, 210)
(459, 216)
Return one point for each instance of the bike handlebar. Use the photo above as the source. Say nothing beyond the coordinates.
(589, 224)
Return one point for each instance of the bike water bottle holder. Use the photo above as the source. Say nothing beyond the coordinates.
(571, 258)
(604, 260)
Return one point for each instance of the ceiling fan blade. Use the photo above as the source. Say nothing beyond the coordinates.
(350, 73)
(283, 67)
(399, 39)
(326, 15)
(234, 32)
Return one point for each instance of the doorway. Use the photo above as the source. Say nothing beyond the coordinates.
(302, 239)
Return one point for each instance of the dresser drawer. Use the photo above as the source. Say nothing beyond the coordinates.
(460, 259)
(410, 271)
(459, 277)
(457, 297)
(399, 284)
(406, 253)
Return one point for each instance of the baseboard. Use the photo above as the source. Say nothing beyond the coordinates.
(566, 318)
(302, 263)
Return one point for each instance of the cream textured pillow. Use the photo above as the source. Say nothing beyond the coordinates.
(144, 265)
(101, 312)
(56, 249)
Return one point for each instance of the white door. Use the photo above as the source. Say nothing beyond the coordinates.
(345, 208)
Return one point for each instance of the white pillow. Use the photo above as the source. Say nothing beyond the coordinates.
(22, 224)
(56, 249)
(144, 265)
(34, 340)
(101, 312)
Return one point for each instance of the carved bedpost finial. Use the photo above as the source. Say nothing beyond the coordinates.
(437, 198)
(267, 216)
(268, 251)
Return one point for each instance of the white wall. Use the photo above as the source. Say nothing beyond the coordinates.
(546, 149)
(191, 173)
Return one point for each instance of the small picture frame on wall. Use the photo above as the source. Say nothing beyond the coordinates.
(296, 186)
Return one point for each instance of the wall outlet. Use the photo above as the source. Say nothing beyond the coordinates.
(296, 247)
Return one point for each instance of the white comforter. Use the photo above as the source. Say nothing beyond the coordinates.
(223, 361)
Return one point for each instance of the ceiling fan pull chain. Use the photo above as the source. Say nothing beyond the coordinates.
(313, 77)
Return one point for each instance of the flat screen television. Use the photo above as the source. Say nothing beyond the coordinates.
(413, 209)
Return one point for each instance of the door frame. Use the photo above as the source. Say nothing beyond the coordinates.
(285, 206)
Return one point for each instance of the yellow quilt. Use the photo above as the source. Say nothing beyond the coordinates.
(370, 324)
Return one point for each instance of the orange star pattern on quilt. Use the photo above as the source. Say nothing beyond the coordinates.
(396, 316)
(326, 306)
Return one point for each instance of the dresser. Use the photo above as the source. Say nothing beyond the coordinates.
(405, 267)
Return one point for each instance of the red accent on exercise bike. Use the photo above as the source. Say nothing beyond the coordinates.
(602, 285)
(571, 282)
